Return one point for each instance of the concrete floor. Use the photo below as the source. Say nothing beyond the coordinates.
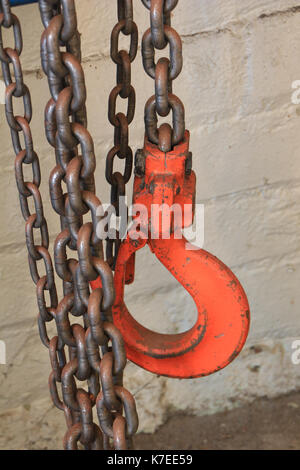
(263, 425)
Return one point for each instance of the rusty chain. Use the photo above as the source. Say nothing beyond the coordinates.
(89, 352)
(159, 36)
(120, 121)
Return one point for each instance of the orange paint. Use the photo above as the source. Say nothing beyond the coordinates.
(223, 318)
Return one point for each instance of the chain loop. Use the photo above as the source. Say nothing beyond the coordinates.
(76, 352)
(66, 131)
(158, 36)
(120, 121)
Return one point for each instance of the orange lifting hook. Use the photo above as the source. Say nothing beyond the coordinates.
(223, 312)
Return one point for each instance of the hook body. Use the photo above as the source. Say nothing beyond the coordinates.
(221, 328)
(223, 318)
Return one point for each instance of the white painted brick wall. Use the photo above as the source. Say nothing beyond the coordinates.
(240, 59)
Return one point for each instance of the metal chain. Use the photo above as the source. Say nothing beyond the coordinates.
(92, 348)
(120, 121)
(159, 36)
(66, 114)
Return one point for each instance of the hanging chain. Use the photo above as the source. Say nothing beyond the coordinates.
(90, 353)
(120, 121)
(66, 129)
(159, 36)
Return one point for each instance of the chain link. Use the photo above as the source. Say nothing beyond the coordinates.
(159, 36)
(119, 120)
(91, 351)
